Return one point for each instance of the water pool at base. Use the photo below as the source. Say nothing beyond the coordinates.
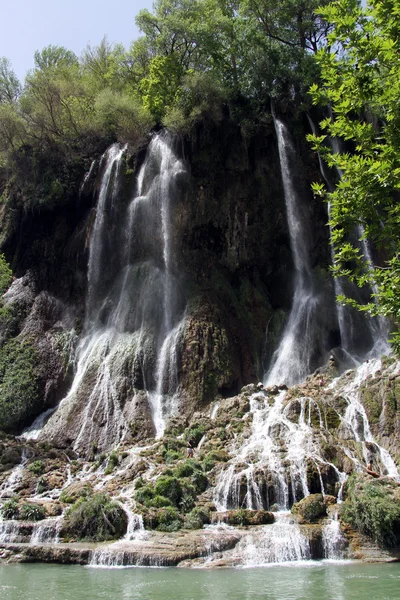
(308, 581)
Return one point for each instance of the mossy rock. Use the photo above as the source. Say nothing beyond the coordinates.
(311, 508)
(243, 517)
(77, 489)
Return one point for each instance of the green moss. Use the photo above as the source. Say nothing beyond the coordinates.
(5, 274)
(332, 418)
(310, 508)
(373, 406)
(37, 467)
(19, 386)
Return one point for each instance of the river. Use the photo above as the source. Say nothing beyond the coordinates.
(310, 581)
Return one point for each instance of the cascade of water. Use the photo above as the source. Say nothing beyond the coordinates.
(355, 420)
(292, 361)
(9, 486)
(263, 452)
(135, 529)
(134, 312)
(333, 541)
(47, 531)
(9, 531)
(280, 542)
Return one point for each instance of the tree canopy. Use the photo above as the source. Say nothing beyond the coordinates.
(360, 80)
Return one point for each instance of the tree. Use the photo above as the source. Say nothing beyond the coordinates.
(290, 22)
(10, 87)
(54, 56)
(360, 78)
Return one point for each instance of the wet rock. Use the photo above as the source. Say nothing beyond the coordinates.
(243, 517)
(310, 508)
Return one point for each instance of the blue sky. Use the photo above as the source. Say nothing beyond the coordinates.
(29, 25)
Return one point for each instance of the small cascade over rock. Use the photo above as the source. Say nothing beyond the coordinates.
(333, 541)
(47, 532)
(9, 531)
(127, 355)
(280, 542)
(9, 486)
(299, 351)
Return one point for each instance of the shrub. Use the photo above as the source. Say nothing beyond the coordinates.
(41, 485)
(5, 275)
(169, 519)
(188, 468)
(197, 518)
(10, 510)
(112, 463)
(169, 487)
(195, 433)
(32, 512)
(187, 503)
(160, 502)
(96, 519)
(37, 467)
(171, 456)
(373, 507)
(145, 494)
(199, 481)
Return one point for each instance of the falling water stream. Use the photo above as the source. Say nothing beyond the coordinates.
(134, 310)
(292, 361)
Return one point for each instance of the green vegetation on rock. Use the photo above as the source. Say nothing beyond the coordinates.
(373, 507)
(19, 389)
(96, 518)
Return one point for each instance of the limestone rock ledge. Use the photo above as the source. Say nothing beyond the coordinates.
(205, 548)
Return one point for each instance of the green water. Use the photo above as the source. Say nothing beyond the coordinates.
(317, 581)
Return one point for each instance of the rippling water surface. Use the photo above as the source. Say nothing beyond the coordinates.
(312, 581)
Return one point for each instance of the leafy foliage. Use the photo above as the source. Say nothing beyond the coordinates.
(372, 507)
(5, 274)
(96, 518)
(19, 388)
(360, 79)
(10, 509)
(32, 512)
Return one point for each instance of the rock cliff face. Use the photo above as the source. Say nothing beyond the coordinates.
(229, 258)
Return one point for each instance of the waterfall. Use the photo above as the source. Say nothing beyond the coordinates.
(333, 541)
(9, 531)
(9, 486)
(47, 531)
(295, 356)
(355, 422)
(134, 309)
(280, 542)
(271, 466)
